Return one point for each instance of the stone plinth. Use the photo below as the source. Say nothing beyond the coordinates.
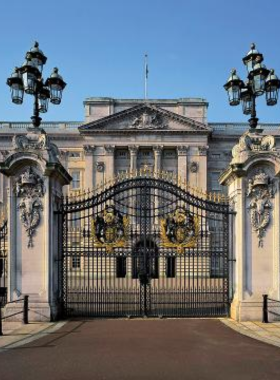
(35, 181)
(253, 182)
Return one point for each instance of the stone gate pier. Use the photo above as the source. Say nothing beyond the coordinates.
(253, 184)
(35, 181)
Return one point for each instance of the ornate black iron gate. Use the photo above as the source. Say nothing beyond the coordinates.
(144, 247)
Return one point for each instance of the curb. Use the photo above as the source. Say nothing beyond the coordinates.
(37, 335)
(250, 334)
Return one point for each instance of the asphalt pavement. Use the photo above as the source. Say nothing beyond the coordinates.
(142, 349)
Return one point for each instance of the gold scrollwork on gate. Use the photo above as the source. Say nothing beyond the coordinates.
(110, 230)
(179, 230)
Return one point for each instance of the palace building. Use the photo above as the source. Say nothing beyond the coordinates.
(122, 135)
(145, 227)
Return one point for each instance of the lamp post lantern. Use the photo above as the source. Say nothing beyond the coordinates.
(260, 80)
(28, 79)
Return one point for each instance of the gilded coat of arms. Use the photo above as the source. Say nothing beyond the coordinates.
(110, 230)
(179, 230)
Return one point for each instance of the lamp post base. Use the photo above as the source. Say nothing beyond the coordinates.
(36, 121)
(253, 121)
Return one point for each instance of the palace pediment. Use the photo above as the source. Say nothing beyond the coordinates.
(144, 118)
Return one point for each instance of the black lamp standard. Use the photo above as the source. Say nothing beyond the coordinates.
(28, 79)
(260, 80)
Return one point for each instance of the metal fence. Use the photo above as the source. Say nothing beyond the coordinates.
(271, 308)
(24, 312)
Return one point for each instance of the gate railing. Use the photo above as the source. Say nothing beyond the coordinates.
(270, 307)
(139, 263)
(217, 197)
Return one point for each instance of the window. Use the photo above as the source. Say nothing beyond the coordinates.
(76, 181)
(120, 267)
(145, 153)
(122, 153)
(170, 267)
(168, 153)
(216, 156)
(76, 262)
(75, 220)
(215, 186)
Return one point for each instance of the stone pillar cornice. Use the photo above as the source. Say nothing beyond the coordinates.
(89, 149)
(157, 149)
(109, 149)
(133, 149)
(202, 150)
(182, 150)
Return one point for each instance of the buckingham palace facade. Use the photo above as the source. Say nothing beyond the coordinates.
(120, 135)
(142, 209)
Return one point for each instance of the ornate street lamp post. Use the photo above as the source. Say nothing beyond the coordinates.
(28, 79)
(260, 80)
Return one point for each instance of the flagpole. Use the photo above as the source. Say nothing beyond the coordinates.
(146, 77)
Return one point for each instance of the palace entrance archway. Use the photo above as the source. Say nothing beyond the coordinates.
(144, 246)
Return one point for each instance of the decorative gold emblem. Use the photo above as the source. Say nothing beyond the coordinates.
(110, 230)
(179, 230)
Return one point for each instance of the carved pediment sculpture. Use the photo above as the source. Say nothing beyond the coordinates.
(30, 189)
(149, 121)
(260, 190)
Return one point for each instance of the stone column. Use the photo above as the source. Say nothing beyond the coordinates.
(109, 162)
(133, 150)
(253, 178)
(182, 152)
(35, 181)
(202, 168)
(89, 172)
(157, 156)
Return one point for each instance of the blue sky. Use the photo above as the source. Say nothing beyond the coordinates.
(99, 47)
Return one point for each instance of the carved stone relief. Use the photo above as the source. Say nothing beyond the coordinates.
(149, 121)
(100, 166)
(194, 167)
(253, 142)
(30, 189)
(260, 190)
(38, 141)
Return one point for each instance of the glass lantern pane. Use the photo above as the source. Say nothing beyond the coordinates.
(43, 105)
(247, 105)
(37, 63)
(234, 95)
(259, 84)
(250, 66)
(272, 96)
(29, 83)
(56, 94)
(17, 94)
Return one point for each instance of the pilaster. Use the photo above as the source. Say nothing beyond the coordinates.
(88, 152)
(202, 165)
(157, 156)
(133, 151)
(109, 159)
(182, 152)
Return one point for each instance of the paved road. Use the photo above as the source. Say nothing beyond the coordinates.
(142, 349)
